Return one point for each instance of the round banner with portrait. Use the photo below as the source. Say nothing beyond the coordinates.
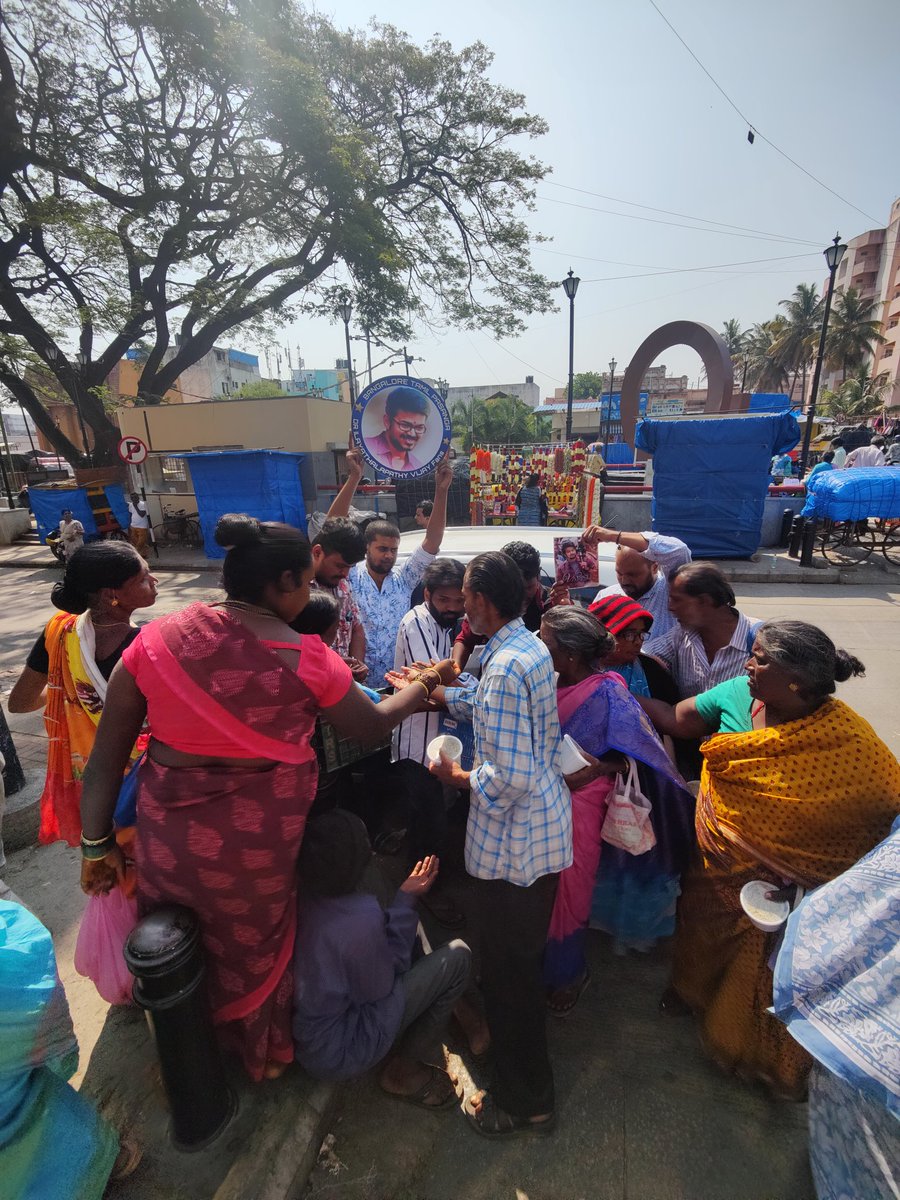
(402, 427)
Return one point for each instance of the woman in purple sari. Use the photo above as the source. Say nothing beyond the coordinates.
(598, 712)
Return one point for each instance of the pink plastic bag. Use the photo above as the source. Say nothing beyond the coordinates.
(105, 926)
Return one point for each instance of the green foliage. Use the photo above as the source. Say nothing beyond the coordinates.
(188, 167)
(502, 419)
(586, 385)
(259, 388)
(853, 331)
(859, 396)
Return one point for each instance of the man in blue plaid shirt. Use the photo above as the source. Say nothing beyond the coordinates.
(519, 838)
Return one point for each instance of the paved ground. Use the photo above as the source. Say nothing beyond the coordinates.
(641, 1112)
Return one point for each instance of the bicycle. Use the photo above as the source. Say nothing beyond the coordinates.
(178, 528)
(846, 543)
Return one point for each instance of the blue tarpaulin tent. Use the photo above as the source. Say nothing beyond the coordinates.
(769, 402)
(710, 478)
(263, 483)
(47, 504)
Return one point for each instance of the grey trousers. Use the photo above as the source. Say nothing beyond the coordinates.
(431, 988)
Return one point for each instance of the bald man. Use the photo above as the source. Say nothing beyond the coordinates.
(643, 564)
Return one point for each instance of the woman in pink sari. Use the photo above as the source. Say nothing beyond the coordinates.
(599, 713)
(231, 694)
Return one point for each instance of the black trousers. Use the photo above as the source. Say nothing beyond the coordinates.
(513, 923)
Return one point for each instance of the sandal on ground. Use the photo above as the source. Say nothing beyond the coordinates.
(438, 1083)
(480, 1059)
(491, 1121)
(561, 1001)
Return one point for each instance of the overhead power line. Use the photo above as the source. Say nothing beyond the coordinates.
(753, 128)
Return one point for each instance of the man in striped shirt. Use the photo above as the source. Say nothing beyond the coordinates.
(712, 640)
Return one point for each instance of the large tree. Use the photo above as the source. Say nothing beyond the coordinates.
(173, 170)
(795, 347)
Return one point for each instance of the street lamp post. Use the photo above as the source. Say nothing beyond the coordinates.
(833, 256)
(345, 311)
(612, 377)
(82, 362)
(570, 287)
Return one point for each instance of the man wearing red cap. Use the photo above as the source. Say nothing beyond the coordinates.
(643, 563)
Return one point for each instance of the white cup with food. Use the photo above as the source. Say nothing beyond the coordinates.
(448, 745)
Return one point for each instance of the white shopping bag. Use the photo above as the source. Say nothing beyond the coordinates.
(627, 823)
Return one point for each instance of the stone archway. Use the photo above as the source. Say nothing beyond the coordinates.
(712, 350)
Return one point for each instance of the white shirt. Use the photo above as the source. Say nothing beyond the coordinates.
(866, 456)
(668, 553)
(419, 639)
(840, 457)
(138, 515)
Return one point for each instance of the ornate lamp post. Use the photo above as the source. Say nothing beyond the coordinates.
(570, 287)
(612, 379)
(833, 256)
(345, 311)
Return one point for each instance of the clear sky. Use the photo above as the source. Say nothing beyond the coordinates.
(632, 116)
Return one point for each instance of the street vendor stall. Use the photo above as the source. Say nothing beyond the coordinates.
(567, 474)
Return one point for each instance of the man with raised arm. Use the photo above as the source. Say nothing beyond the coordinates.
(644, 562)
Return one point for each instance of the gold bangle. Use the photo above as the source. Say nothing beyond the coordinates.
(424, 685)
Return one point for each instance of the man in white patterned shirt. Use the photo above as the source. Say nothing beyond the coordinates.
(381, 589)
(712, 640)
(519, 838)
(644, 562)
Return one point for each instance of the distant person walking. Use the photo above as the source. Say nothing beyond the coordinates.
(840, 454)
(71, 534)
(531, 503)
(139, 524)
(868, 456)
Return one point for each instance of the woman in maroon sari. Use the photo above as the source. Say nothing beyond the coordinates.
(231, 694)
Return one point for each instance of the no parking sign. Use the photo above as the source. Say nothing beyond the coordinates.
(132, 450)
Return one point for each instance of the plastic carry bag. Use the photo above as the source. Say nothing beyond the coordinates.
(99, 952)
(627, 823)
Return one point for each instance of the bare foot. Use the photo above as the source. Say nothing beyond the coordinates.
(427, 1086)
(274, 1070)
(473, 1025)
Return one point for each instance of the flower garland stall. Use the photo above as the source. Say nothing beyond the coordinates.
(498, 472)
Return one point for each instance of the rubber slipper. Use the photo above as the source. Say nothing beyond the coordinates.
(493, 1122)
(444, 911)
(420, 1097)
(575, 992)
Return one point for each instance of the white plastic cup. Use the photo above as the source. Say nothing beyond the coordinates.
(766, 914)
(446, 744)
(572, 758)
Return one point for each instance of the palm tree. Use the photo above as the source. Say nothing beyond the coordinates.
(765, 370)
(735, 339)
(853, 332)
(469, 418)
(797, 344)
(858, 397)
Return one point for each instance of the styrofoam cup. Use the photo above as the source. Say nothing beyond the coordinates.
(572, 758)
(767, 915)
(446, 744)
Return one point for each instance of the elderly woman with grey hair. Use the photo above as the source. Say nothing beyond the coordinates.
(603, 718)
(796, 787)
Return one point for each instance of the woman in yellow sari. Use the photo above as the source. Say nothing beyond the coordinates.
(795, 788)
(67, 670)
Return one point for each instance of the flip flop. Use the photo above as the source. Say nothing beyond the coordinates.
(444, 911)
(574, 991)
(420, 1097)
(493, 1122)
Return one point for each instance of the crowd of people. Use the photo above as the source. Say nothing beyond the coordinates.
(728, 726)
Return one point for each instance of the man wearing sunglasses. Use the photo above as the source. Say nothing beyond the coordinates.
(405, 422)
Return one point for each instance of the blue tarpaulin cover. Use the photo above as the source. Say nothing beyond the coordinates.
(710, 478)
(854, 494)
(48, 504)
(769, 402)
(263, 483)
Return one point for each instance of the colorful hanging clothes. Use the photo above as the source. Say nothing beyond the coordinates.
(76, 692)
(224, 840)
(601, 716)
(799, 803)
(52, 1141)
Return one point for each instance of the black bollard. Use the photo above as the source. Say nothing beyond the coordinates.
(787, 520)
(796, 535)
(165, 956)
(808, 544)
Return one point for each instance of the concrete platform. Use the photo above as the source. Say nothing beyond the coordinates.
(265, 1153)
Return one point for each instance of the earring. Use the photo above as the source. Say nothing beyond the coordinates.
(795, 687)
(115, 604)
